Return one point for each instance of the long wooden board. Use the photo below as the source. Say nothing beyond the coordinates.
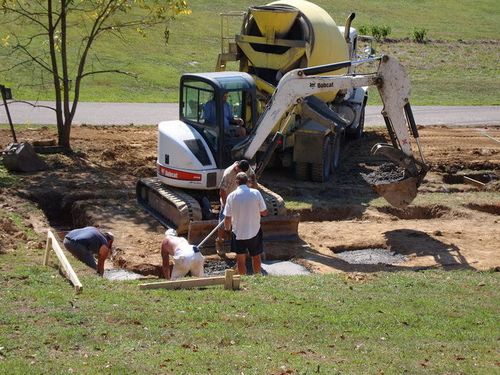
(53, 243)
(230, 281)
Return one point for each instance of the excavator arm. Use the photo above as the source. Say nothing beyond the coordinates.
(394, 88)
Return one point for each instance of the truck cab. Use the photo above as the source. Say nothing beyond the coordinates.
(208, 102)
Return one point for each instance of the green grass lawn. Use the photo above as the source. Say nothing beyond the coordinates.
(459, 66)
(393, 323)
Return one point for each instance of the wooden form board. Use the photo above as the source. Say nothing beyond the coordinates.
(471, 181)
(230, 281)
(53, 243)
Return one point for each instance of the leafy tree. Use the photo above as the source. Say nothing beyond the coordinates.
(58, 35)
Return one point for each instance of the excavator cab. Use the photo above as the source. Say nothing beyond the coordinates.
(221, 107)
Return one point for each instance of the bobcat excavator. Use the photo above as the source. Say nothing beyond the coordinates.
(193, 153)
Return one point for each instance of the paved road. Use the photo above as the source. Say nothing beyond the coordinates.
(152, 113)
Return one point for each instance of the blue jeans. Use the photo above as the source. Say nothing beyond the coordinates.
(80, 252)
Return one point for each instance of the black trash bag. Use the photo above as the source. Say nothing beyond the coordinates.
(21, 157)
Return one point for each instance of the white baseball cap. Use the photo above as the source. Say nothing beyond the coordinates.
(109, 236)
(171, 232)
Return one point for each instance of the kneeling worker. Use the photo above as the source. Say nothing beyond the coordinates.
(187, 258)
(86, 242)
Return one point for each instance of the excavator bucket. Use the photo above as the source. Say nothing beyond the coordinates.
(396, 182)
(274, 228)
(400, 193)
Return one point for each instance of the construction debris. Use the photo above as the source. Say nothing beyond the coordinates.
(21, 157)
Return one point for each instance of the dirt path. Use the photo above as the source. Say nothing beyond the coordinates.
(452, 224)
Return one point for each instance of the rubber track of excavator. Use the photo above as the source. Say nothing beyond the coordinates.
(274, 202)
(171, 206)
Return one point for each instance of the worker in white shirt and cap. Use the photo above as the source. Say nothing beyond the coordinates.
(243, 209)
(187, 258)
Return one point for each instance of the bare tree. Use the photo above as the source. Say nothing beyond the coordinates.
(56, 25)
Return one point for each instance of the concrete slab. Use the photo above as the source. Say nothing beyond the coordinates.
(119, 274)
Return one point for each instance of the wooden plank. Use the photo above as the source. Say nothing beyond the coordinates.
(47, 251)
(471, 181)
(192, 282)
(54, 244)
(230, 281)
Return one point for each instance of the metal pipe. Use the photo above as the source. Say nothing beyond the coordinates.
(347, 28)
(4, 89)
(320, 69)
(414, 130)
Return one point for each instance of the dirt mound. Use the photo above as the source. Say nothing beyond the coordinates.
(15, 221)
(493, 186)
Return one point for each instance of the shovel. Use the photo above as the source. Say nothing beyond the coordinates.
(196, 248)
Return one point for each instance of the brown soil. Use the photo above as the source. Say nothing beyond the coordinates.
(451, 224)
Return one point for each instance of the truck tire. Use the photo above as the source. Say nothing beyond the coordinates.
(358, 133)
(335, 148)
(320, 172)
(302, 171)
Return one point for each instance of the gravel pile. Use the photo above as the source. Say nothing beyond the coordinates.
(385, 174)
(371, 256)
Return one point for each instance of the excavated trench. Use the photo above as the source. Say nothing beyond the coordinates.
(67, 211)
(329, 214)
(359, 213)
(416, 212)
(483, 177)
(493, 209)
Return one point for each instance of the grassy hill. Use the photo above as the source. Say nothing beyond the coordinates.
(459, 65)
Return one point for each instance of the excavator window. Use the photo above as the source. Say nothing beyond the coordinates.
(194, 98)
(222, 110)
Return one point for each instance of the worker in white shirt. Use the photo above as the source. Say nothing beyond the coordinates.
(187, 258)
(243, 210)
(227, 186)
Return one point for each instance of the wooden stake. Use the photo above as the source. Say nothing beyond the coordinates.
(228, 279)
(236, 282)
(232, 282)
(70, 273)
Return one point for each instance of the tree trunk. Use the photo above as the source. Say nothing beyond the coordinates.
(64, 136)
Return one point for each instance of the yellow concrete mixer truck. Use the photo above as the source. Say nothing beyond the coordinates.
(292, 54)
(292, 34)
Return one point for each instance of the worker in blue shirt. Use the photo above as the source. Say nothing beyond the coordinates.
(85, 243)
(209, 114)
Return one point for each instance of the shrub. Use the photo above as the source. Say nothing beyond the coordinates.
(380, 32)
(385, 30)
(419, 35)
(364, 30)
